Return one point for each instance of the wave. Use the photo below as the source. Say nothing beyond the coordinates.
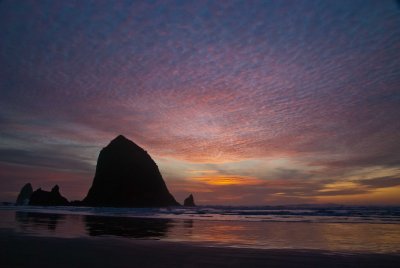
(328, 214)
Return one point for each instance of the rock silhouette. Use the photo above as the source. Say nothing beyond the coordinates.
(45, 198)
(189, 201)
(24, 195)
(126, 176)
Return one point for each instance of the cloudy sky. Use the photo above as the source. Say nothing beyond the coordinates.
(239, 102)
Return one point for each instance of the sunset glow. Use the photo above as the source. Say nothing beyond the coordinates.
(238, 102)
(223, 180)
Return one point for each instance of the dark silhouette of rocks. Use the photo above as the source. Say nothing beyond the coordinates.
(24, 195)
(189, 201)
(44, 198)
(126, 176)
(76, 203)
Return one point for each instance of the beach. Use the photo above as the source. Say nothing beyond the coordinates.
(30, 251)
(196, 237)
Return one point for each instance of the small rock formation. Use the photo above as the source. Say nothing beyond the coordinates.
(126, 176)
(76, 203)
(24, 195)
(44, 198)
(189, 201)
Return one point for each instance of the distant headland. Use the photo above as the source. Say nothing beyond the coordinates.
(126, 176)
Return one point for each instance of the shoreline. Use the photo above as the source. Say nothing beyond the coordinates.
(19, 250)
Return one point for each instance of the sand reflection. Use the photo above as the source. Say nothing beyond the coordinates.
(384, 238)
(35, 220)
(127, 227)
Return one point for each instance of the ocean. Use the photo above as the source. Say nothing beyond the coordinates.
(334, 228)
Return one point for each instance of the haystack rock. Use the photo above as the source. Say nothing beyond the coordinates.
(24, 195)
(45, 198)
(189, 201)
(126, 176)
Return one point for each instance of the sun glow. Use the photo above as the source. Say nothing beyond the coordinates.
(227, 180)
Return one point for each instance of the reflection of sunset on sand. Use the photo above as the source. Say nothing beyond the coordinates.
(337, 237)
(200, 237)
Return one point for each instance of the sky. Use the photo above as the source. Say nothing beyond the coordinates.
(238, 102)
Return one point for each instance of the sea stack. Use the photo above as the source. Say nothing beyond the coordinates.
(189, 201)
(126, 176)
(45, 198)
(24, 195)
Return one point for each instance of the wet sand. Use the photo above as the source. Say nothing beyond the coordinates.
(18, 250)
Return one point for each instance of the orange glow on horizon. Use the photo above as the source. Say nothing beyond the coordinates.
(221, 180)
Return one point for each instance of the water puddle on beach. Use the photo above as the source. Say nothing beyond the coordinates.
(343, 237)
